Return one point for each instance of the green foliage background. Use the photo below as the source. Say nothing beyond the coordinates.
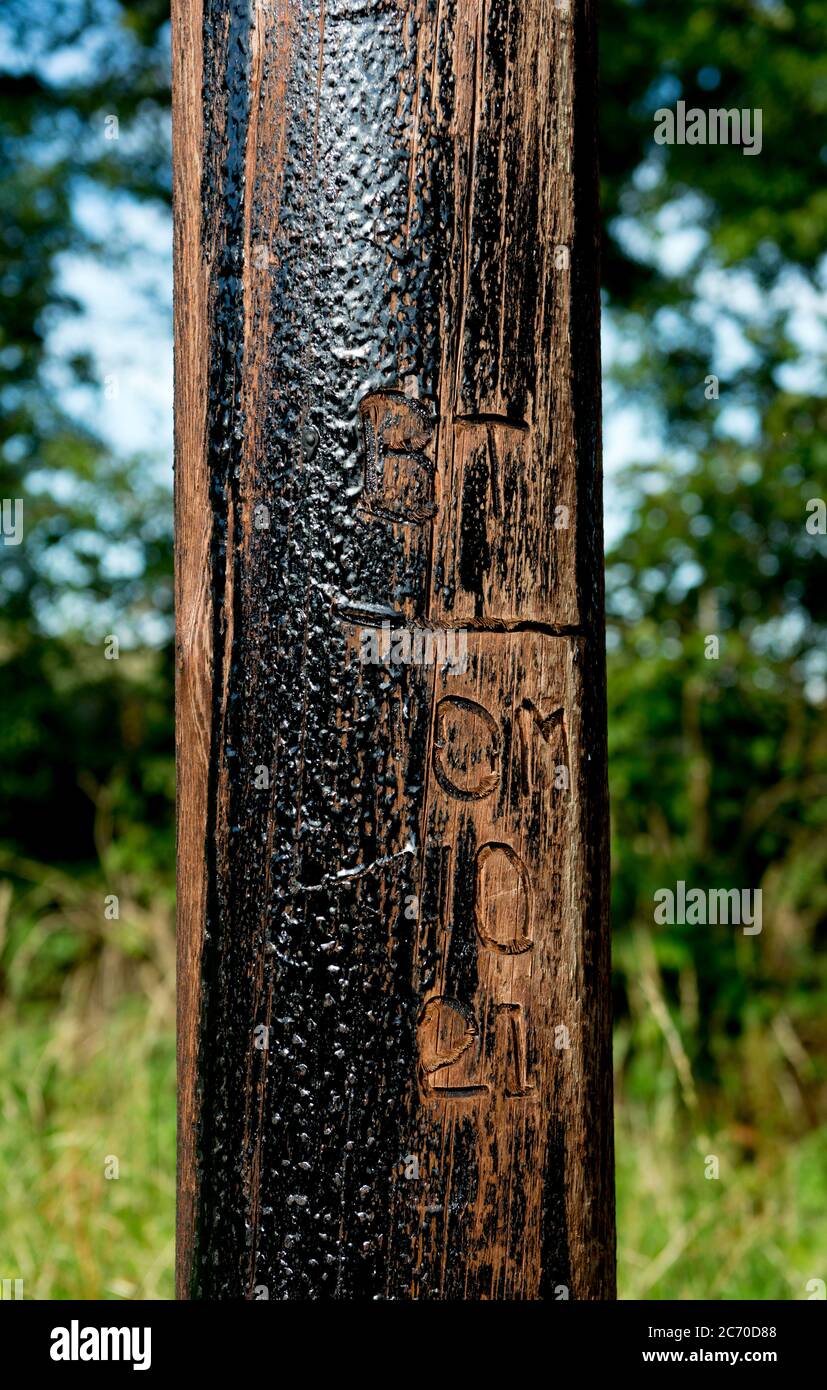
(713, 264)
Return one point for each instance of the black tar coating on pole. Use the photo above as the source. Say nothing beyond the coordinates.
(299, 1140)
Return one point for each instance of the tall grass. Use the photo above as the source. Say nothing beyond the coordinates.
(722, 1184)
(87, 1089)
(87, 1074)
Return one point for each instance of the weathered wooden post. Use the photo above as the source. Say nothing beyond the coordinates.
(394, 992)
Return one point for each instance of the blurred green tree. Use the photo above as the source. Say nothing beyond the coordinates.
(715, 275)
(71, 721)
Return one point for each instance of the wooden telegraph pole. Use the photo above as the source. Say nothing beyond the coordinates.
(393, 972)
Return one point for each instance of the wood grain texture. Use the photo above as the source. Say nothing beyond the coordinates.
(394, 1036)
(193, 526)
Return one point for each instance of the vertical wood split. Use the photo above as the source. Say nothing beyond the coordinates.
(394, 1009)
